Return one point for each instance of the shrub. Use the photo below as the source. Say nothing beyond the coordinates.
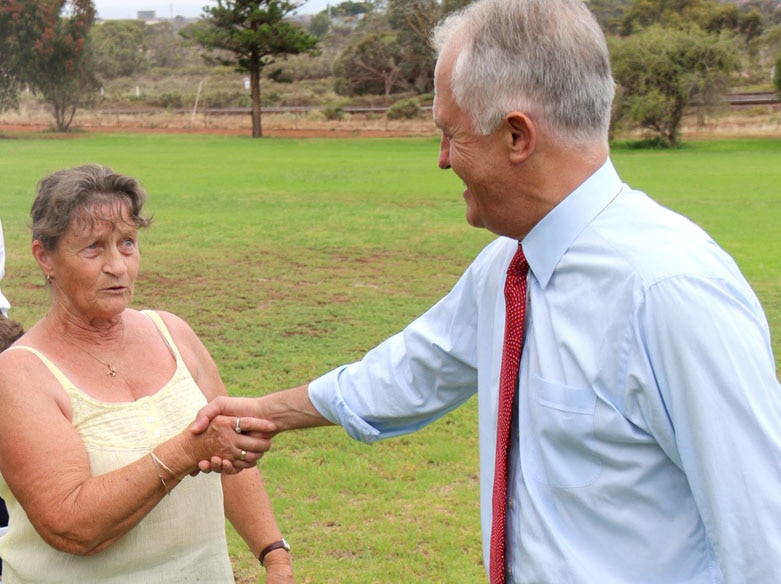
(221, 99)
(170, 100)
(406, 109)
(333, 112)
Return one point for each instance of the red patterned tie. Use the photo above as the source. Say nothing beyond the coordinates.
(515, 302)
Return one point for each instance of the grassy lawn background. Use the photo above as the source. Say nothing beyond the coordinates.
(290, 257)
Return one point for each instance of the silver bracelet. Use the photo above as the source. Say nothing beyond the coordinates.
(159, 474)
(165, 466)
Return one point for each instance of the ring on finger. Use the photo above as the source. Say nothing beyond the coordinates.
(237, 427)
(243, 455)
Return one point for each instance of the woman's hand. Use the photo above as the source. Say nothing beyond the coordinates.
(279, 573)
(223, 446)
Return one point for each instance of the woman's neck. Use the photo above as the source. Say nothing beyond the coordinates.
(72, 327)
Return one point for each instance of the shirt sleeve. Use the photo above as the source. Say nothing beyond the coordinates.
(719, 414)
(412, 378)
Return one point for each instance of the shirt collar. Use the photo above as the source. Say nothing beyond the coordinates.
(549, 240)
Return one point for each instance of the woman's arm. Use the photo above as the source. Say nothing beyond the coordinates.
(45, 463)
(248, 507)
(247, 504)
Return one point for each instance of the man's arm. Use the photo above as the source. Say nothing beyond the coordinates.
(720, 415)
(289, 409)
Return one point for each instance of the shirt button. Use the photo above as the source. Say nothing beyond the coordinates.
(157, 434)
(151, 419)
(511, 503)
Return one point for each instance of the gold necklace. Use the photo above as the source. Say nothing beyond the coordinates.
(110, 369)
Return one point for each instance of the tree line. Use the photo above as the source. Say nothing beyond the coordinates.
(666, 54)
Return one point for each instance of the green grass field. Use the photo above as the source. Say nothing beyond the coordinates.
(289, 257)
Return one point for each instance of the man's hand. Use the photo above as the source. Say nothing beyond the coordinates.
(279, 411)
(240, 407)
(245, 420)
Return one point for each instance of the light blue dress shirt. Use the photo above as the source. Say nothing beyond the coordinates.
(647, 443)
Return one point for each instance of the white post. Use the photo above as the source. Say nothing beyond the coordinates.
(195, 107)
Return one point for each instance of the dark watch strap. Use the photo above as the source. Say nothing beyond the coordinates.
(281, 544)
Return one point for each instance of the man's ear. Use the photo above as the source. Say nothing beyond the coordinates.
(522, 136)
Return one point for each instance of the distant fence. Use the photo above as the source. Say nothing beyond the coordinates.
(734, 99)
(233, 111)
(757, 98)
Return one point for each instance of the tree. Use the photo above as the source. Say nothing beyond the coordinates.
(253, 34)
(777, 75)
(320, 24)
(350, 8)
(166, 49)
(9, 90)
(711, 15)
(414, 20)
(370, 65)
(9, 78)
(118, 48)
(660, 71)
(609, 13)
(47, 44)
(62, 72)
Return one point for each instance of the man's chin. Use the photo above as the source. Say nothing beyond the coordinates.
(474, 219)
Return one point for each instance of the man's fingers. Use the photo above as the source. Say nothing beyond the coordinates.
(205, 415)
(246, 409)
(257, 426)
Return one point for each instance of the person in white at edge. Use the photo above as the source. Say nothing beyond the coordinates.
(647, 444)
(4, 304)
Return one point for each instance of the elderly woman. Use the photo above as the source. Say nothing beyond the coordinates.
(99, 467)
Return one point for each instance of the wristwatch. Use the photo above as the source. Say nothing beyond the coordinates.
(281, 544)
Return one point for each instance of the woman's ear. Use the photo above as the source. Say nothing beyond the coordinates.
(42, 257)
(522, 136)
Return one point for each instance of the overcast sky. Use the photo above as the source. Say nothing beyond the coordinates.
(108, 9)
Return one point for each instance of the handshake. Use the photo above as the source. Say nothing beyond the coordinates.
(252, 423)
(237, 423)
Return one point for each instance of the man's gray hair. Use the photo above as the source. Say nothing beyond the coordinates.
(546, 58)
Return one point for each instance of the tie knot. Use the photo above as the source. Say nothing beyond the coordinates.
(518, 265)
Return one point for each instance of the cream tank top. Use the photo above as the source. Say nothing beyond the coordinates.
(182, 540)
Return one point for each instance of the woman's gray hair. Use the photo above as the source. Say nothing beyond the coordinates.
(547, 58)
(73, 194)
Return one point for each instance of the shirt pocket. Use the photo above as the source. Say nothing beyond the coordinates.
(561, 442)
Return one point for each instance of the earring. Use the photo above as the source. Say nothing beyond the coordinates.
(48, 279)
